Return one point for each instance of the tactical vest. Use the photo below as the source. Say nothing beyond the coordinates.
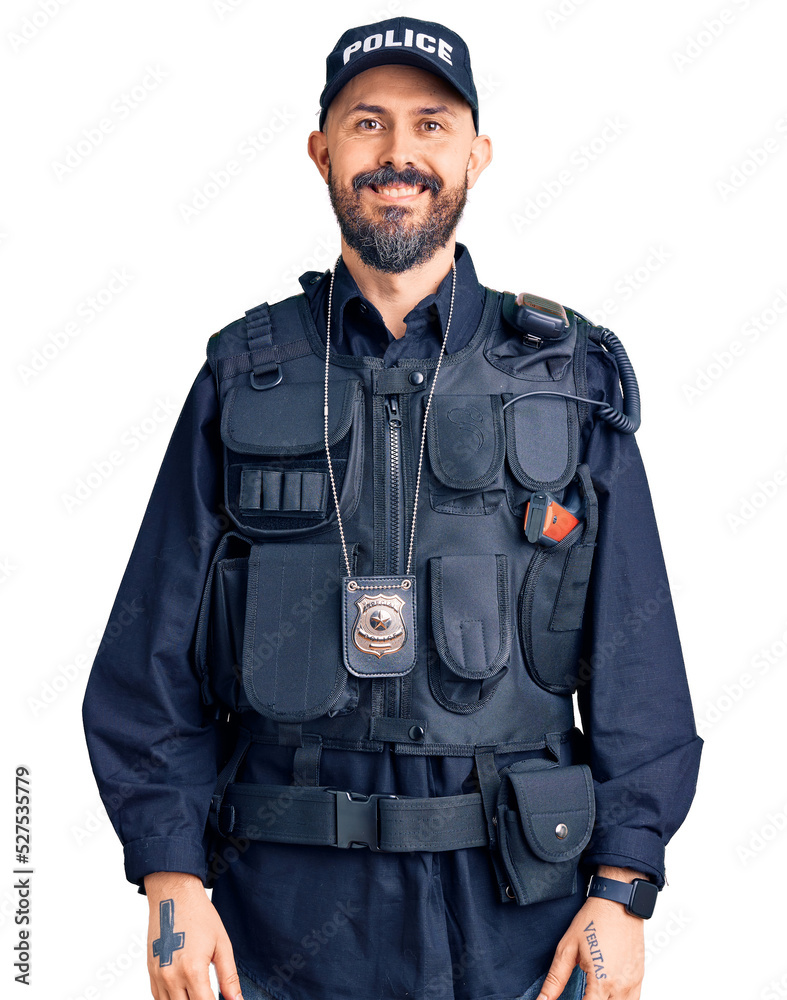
(497, 621)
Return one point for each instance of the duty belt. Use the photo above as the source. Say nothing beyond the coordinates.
(324, 815)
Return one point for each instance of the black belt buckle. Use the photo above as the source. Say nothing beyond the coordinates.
(358, 819)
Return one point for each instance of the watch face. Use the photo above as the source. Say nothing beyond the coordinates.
(643, 898)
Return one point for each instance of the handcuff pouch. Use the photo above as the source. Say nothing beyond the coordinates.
(545, 815)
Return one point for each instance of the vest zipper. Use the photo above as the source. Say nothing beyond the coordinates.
(394, 507)
(395, 483)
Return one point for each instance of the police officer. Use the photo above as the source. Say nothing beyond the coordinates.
(373, 575)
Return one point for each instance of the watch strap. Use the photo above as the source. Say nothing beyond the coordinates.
(638, 897)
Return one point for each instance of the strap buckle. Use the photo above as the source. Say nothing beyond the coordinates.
(358, 819)
(218, 813)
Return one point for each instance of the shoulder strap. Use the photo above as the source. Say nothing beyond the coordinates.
(265, 337)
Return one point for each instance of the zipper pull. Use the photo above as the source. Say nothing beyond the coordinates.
(392, 411)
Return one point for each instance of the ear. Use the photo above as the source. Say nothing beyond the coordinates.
(480, 158)
(318, 151)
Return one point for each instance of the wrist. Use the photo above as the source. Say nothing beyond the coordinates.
(620, 874)
(158, 884)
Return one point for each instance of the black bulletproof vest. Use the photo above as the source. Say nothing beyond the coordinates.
(497, 618)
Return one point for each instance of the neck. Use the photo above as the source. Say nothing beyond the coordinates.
(394, 295)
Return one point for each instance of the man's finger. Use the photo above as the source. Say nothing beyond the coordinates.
(226, 973)
(159, 990)
(559, 972)
(196, 985)
(174, 993)
(182, 982)
(596, 989)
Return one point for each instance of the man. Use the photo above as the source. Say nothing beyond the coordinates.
(383, 570)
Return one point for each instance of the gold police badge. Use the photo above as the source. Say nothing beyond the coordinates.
(379, 627)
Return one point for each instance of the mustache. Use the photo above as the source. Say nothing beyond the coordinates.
(385, 176)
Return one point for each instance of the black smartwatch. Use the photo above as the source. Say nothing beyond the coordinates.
(639, 896)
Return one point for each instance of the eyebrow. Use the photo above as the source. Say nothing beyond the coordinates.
(376, 109)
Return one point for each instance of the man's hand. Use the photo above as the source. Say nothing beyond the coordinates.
(185, 935)
(607, 942)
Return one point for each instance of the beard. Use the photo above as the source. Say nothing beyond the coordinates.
(387, 241)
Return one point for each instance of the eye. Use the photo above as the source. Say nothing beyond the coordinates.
(369, 124)
(432, 126)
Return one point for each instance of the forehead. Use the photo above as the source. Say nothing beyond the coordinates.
(399, 88)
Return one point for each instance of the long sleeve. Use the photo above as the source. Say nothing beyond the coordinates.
(151, 747)
(633, 694)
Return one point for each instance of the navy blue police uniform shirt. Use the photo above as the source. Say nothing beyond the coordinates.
(320, 923)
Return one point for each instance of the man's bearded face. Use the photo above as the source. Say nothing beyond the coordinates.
(395, 238)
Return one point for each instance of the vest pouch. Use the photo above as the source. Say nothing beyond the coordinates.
(219, 633)
(292, 667)
(545, 816)
(471, 628)
(225, 637)
(277, 482)
(542, 445)
(466, 443)
(552, 600)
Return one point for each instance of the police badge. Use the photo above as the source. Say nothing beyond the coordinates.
(379, 622)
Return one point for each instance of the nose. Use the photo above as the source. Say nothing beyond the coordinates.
(397, 148)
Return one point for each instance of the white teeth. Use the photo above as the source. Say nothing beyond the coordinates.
(402, 192)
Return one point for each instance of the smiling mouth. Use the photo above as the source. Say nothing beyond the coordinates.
(398, 190)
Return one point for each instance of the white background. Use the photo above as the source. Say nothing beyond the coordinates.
(697, 94)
